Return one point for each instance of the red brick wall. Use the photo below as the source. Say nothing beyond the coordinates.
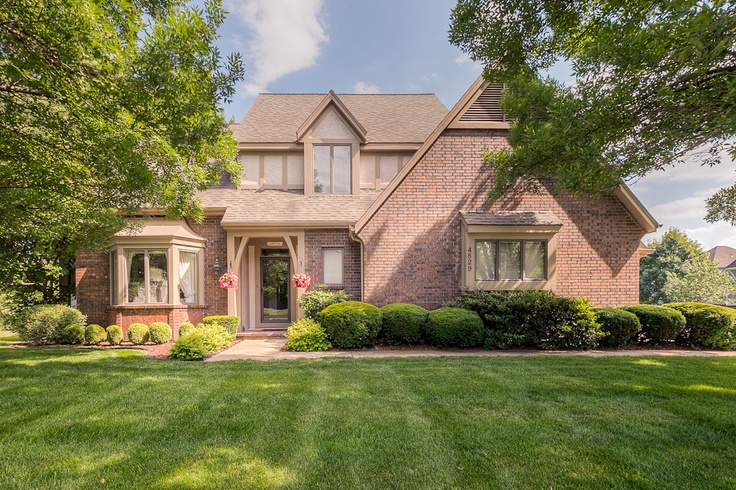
(316, 240)
(93, 287)
(412, 244)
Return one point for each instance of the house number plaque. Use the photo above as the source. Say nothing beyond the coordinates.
(470, 259)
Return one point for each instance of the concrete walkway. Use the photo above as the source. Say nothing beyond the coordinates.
(272, 348)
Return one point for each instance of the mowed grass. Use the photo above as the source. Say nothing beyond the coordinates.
(8, 337)
(75, 418)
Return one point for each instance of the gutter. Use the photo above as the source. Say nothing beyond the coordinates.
(354, 237)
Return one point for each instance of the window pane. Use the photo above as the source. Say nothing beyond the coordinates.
(485, 260)
(321, 169)
(135, 261)
(158, 283)
(534, 252)
(341, 167)
(113, 278)
(188, 277)
(509, 263)
(332, 265)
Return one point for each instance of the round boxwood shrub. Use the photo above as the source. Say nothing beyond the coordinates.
(114, 334)
(658, 323)
(185, 328)
(231, 323)
(707, 325)
(73, 334)
(189, 346)
(403, 323)
(159, 332)
(94, 334)
(319, 298)
(306, 335)
(351, 324)
(619, 326)
(454, 327)
(138, 333)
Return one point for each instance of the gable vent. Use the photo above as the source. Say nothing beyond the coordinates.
(485, 108)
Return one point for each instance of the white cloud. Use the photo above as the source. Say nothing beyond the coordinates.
(284, 36)
(362, 87)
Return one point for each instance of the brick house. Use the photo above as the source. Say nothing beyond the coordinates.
(381, 195)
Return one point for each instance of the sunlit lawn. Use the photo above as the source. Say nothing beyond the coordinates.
(73, 418)
(8, 336)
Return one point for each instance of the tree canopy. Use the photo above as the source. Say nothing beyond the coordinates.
(653, 80)
(105, 106)
(679, 270)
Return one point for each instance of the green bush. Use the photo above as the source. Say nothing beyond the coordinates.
(189, 346)
(138, 333)
(94, 334)
(114, 334)
(201, 341)
(707, 325)
(73, 334)
(536, 319)
(317, 299)
(454, 327)
(658, 323)
(306, 335)
(351, 324)
(159, 332)
(45, 324)
(185, 328)
(619, 326)
(231, 323)
(403, 323)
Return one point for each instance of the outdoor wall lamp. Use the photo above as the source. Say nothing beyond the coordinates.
(217, 266)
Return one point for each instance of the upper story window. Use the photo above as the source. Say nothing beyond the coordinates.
(332, 169)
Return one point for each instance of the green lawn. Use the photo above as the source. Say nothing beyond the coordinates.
(8, 336)
(71, 418)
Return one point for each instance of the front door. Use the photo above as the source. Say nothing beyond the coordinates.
(275, 286)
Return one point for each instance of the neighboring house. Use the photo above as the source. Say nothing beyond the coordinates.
(725, 259)
(381, 195)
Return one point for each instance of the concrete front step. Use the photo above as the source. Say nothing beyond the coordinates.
(262, 334)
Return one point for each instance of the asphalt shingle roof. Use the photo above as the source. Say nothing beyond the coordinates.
(724, 256)
(387, 118)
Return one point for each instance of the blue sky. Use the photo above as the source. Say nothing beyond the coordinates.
(400, 46)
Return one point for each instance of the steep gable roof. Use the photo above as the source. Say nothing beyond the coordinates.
(453, 119)
(724, 257)
(386, 118)
(332, 100)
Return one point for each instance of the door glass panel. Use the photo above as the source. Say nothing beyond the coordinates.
(275, 290)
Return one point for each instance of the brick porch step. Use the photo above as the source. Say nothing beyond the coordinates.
(262, 334)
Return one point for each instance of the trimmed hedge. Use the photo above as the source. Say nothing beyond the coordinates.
(306, 335)
(454, 327)
(658, 323)
(316, 300)
(536, 319)
(45, 324)
(619, 326)
(159, 332)
(351, 324)
(185, 328)
(94, 334)
(201, 341)
(403, 323)
(231, 323)
(138, 333)
(114, 334)
(708, 326)
(73, 334)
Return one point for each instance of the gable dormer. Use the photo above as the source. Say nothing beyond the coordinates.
(331, 136)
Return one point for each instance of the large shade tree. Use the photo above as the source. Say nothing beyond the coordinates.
(653, 81)
(106, 107)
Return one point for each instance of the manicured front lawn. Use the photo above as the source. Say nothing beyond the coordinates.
(71, 418)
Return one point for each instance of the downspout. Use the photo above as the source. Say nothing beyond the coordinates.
(354, 237)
